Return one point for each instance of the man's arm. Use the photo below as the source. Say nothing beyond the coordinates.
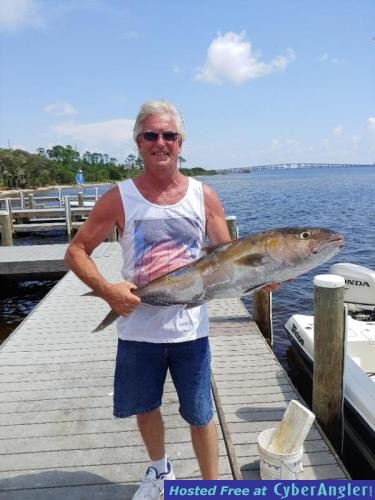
(107, 212)
(216, 226)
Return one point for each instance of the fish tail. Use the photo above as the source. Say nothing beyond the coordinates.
(109, 319)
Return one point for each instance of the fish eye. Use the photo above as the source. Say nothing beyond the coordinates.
(305, 235)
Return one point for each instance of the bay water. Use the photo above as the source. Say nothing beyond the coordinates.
(342, 199)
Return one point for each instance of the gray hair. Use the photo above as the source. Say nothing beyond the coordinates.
(158, 108)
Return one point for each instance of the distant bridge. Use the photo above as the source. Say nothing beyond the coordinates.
(279, 166)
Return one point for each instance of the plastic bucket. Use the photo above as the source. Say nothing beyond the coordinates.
(275, 465)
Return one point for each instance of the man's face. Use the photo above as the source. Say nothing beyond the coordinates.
(159, 155)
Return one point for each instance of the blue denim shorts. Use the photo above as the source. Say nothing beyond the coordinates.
(141, 369)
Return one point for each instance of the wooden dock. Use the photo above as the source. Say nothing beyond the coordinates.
(39, 259)
(58, 438)
(33, 259)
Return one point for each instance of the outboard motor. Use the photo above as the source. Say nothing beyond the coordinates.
(359, 292)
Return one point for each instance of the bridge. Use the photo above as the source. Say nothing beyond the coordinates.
(279, 166)
(308, 165)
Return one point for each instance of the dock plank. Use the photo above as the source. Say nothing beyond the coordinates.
(254, 392)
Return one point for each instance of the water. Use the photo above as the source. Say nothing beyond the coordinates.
(338, 198)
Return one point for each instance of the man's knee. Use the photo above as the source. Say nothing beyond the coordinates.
(209, 426)
(149, 416)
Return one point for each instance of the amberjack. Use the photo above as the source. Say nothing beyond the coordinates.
(240, 267)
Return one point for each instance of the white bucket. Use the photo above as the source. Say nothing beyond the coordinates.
(276, 465)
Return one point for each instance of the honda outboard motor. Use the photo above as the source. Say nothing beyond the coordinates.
(359, 292)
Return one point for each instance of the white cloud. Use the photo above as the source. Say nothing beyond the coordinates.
(107, 135)
(17, 14)
(230, 57)
(371, 123)
(60, 108)
(338, 131)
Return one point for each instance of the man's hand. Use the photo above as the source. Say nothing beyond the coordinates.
(120, 297)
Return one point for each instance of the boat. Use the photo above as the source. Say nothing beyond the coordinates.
(359, 370)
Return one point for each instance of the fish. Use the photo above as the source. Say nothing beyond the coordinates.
(240, 267)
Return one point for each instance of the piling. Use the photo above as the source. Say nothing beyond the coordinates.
(112, 237)
(60, 197)
(232, 226)
(6, 228)
(262, 314)
(68, 216)
(31, 200)
(22, 200)
(80, 198)
(8, 208)
(329, 356)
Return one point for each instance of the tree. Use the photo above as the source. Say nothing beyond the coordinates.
(181, 160)
(41, 151)
(139, 163)
(130, 161)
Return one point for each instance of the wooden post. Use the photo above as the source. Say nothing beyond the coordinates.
(8, 207)
(96, 194)
(262, 314)
(112, 237)
(68, 216)
(60, 197)
(22, 200)
(232, 226)
(80, 198)
(31, 200)
(6, 228)
(329, 356)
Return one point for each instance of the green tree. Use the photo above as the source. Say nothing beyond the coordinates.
(181, 160)
(130, 161)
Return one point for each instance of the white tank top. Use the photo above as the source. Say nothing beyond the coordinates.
(158, 239)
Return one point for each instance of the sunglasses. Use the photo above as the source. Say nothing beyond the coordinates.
(154, 136)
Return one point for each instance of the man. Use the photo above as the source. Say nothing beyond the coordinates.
(79, 178)
(163, 218)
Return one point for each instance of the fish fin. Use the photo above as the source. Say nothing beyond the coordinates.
(110, 318)
(213, 248)
(254, 289)
(251, 260)
(91, 293)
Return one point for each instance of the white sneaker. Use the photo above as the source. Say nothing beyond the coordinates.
(152, 486)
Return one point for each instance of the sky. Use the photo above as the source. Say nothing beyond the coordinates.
(257, 81)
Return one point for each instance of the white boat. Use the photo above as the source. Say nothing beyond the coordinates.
(359, 373)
